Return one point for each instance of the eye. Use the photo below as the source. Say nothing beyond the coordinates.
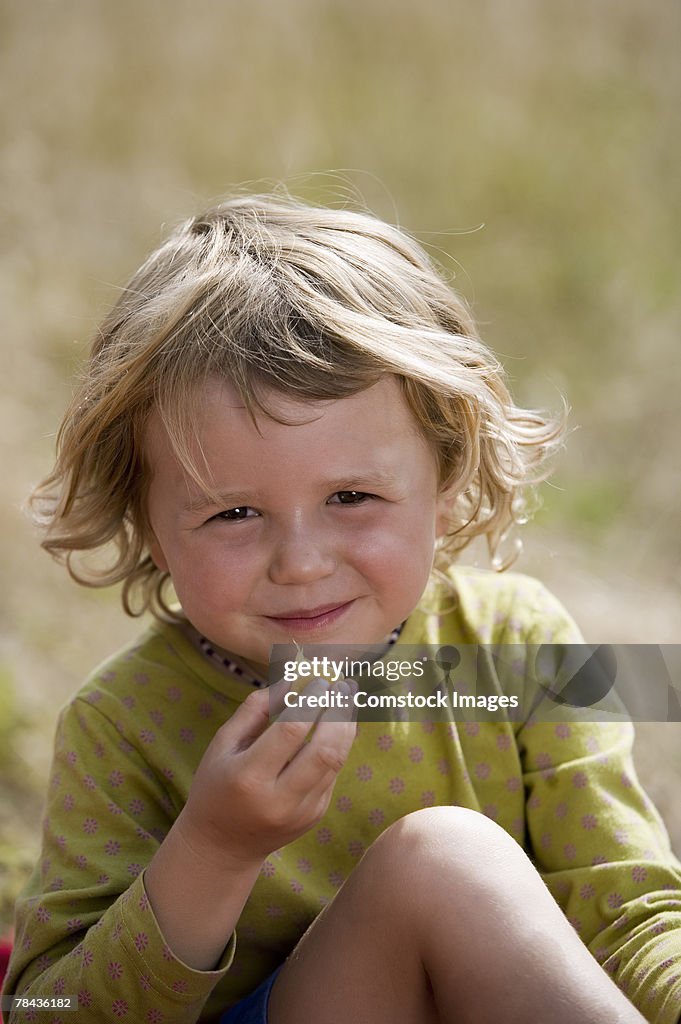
(231, 515)
(352, 497)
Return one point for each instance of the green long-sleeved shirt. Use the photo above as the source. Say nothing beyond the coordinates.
(126, 749)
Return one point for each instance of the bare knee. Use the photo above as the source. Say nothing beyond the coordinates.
(441, 870)
(426, 846)
(439, 824)
(430, 860)
(457, 878)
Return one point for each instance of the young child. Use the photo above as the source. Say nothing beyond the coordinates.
(288, 417)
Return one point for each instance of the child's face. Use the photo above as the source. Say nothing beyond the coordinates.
(340, 512)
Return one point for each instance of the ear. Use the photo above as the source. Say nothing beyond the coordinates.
(156, 552)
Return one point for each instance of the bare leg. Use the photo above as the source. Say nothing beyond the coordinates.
(445, 920)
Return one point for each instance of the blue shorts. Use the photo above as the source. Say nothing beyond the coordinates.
(252, 1009)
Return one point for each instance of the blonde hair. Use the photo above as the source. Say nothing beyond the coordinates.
(315, 303)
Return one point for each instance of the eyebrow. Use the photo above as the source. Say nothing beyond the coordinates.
(353, 481)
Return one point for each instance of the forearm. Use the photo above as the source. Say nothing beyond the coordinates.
(102, 967)
(197, 897)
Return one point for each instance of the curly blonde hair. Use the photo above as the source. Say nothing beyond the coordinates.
(317, 303)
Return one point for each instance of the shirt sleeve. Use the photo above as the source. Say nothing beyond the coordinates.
(84, 924)
(601, 846)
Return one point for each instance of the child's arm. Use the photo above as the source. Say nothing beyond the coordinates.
(85, 924)
(604, 853)
(602, 848)
(256, 789)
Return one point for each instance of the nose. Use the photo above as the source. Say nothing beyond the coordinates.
(302, 555)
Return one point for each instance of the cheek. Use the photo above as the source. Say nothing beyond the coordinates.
(400, 551)
(219, 578)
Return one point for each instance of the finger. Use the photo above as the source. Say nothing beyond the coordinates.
(319, 761)
(249, 720)
(275, 747)
(277, 694)
(254, 715)
(310, 774)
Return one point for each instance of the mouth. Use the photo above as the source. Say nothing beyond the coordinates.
(308, 619)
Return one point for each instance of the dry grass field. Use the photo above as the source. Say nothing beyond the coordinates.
(532, 146)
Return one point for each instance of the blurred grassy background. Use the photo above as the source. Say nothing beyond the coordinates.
(533, 146)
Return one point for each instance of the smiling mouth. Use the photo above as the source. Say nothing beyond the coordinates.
(309, 613)
(311, 618)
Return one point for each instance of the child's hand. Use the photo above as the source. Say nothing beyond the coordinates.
(261, 785)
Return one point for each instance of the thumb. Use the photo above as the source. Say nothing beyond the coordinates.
(255, 714)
